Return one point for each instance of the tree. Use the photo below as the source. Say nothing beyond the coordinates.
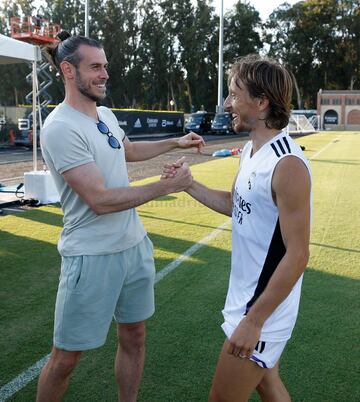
(319, 43)
(242, 30)
(192, 27)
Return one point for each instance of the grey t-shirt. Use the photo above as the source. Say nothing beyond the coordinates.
(69, 139)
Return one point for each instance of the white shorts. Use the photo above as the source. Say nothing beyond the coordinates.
(267, 354)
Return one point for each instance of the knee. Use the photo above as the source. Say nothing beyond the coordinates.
(273, 390)
(214, 396)
(63, 363)
(132, 335)
(263, 388)
(267, 385)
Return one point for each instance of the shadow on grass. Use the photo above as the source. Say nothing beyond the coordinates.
(28, 282)
(184, 339)
(324, 341)
(43, 216)
(29, 277)
(184, 336)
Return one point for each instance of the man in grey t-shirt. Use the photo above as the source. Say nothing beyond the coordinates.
(107, 263)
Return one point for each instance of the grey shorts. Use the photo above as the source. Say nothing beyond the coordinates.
(94, 288)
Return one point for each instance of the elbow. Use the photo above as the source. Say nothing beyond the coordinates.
(97, 206)
(302, 259)
(98, 209)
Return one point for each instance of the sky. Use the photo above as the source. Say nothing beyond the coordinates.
(264, 7)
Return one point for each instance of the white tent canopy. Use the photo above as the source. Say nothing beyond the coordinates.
(15, 51)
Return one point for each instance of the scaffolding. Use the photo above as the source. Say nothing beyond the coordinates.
(34, 29)
(40, 32)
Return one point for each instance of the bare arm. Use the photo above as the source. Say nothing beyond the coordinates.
(219, 201)
(87, 181)
(144, 150)
(291, 186)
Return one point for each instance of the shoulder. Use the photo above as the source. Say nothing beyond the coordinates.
(282, 145)
(59, 126)
(291, 176)
(106, 112)
(60, 132)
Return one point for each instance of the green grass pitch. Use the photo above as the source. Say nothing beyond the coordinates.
(321, 361)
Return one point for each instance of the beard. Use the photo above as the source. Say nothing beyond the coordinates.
(85, 89)
(240, 125)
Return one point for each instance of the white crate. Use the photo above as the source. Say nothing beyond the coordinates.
(39, 185)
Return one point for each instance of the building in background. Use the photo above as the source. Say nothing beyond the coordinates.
(339, 110)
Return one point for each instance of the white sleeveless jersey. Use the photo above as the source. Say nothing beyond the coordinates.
(257, 245)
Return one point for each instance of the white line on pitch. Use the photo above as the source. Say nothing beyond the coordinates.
(15, 385)
(325, 147)
(189, 252)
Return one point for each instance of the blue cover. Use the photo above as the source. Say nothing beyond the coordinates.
(222, 153)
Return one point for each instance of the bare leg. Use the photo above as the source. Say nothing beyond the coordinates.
(129, 362)
(235, 378)
(271, 388)
(55, 375)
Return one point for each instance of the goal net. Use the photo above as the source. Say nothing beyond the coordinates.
(300, 124)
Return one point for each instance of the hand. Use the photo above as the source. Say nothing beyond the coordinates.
(170, 169)
(191, 140)
(181, 180)
(244, 339)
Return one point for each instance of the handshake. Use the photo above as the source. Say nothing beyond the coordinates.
(177, 176)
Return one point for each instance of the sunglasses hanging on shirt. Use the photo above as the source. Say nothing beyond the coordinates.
(104, 129)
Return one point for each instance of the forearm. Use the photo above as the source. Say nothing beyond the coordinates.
(120, 199)
(219, 201)
(143, 150)
(279, 287)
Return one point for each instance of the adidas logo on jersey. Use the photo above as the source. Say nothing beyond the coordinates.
(281, 147)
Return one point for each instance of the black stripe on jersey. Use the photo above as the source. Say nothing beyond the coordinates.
(279, 147)
(287, 144)
(260, 346)
(282, 149)
(275, 254)
(275, 150)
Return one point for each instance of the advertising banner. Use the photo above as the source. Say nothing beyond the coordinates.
(331, 117)
(138, 122)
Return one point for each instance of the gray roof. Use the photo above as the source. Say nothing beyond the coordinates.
(338, 92)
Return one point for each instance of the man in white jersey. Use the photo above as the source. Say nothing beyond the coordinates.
(270, 207)
(107, 260)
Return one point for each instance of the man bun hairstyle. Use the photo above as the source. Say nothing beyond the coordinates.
(264, 77)
(67, 49)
